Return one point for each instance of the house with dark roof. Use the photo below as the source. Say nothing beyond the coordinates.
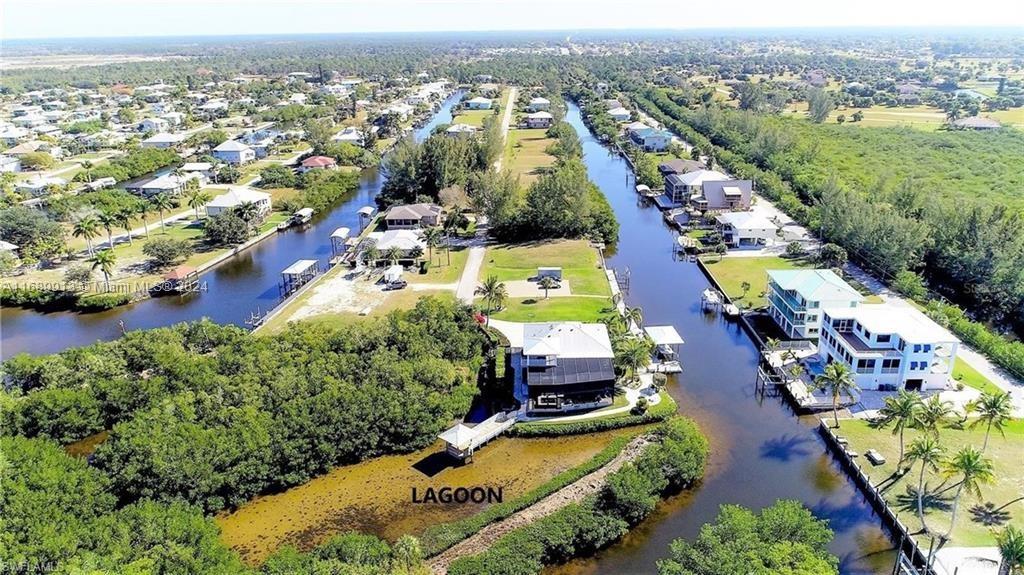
(412, 216)
(678, 166)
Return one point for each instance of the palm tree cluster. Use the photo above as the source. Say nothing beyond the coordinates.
(493, 292)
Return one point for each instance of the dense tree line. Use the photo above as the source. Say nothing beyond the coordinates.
(782, 539)
(208, 415)
(675, 460)
(138, 162)
(421, 170)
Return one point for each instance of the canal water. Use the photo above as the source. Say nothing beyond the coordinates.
(760, 451)
(241, 285)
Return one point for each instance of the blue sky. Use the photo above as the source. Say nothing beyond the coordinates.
(95, 18)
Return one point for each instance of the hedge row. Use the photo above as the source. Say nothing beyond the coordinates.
(53, 300)
(439, 538)
(660, 412)
(629, 495)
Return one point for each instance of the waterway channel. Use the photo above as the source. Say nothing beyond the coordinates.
(760, 451)
(241, 285)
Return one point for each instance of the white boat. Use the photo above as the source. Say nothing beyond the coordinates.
(710, 297)
(731, 310)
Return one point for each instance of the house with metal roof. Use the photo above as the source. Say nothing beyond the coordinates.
(234, 152)
(796, 298)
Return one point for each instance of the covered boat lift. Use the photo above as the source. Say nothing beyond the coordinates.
(298, 274)
(366, 214)
(667, 340)
(339, 241)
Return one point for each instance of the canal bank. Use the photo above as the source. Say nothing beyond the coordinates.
(240, 285)
(760, 451)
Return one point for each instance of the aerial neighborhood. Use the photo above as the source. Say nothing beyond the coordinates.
(485, 305)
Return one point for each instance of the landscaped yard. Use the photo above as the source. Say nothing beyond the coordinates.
(732, 272)
(1001, 503)
(970, 377)
(441, 271)
(477, 117)
(579, 262)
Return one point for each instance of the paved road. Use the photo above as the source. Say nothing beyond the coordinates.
(505, 121)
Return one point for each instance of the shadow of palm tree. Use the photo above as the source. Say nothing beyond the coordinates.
(932, 500)
(988, 515)
(786, 447)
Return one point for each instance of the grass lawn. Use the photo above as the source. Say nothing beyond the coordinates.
(1000, 504)
(732, 272)
(970, 377)
(1013, 117)
(537, 309)
(919, 117)
(440, 271)
(477, 117)
(579, 262)
(525, 155)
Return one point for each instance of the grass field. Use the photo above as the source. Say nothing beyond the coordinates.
(440, 270)
(525, 156)
(1012, 117)
(1000, 503)
(732, 272)
(970, 377)
(919, 117)
(579, 262)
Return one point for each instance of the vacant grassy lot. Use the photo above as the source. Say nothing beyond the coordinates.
(579, 261)
(443, 269)
(731, 272)
(1000, 503)
(525, 156)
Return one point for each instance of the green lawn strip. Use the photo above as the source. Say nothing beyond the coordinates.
(731, 272)
(665, 408)
(440, 270)
(585, 309)
(579, 262)
(441, 537)
(971, 529)
(967, 375)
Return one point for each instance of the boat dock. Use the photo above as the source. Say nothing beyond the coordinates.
(461, 440)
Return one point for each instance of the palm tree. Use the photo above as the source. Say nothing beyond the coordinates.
(393, 254)
(108, 219)
(633, 315)
(546, 283)
(634, 354)
(124, 217)
(901, 412)
(248, 211)
(928, 452)
(197, 198)
(771, 345)
(934, 414)
(838, 380)
(105, 260)
(994, 410)
(432, 238)
(974, 469)
(87, 227)
(162, 203)
(142, 210)
(371, 255)
(493, 293)
(1011, 551)
(416, 252)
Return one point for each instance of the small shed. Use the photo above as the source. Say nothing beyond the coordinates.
(393, 273)
(298, 274)
(554, 273)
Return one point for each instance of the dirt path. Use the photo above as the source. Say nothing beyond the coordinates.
(572, 493)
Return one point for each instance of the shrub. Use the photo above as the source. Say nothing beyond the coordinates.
(225, 229)
(910, 284)
(795, 250)
(102, 301)
(660, 412)
(166, 251)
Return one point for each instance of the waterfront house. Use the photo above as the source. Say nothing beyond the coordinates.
(888, 348)
(539, 104)
(407, 242)
(317, 163)
(681, 187)
(351, 135)
(478, 103)
(678, 166)
(460, 130)
(745, 229)
(412, 216)
(651, 139)
(236, 196)
(620, 114)
(163, 141)
(205, 168)
(560, 366)
(539, 120)
(36, 187)
(234, 152)
(796, 298)
(718, 195)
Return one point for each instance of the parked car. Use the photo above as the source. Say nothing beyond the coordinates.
(398, 284)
